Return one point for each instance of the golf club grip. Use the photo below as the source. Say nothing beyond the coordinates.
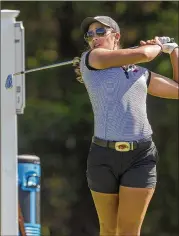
(172, 40)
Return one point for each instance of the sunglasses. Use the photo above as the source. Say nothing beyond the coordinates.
(100, 32)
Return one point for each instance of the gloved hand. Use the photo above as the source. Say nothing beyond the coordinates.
(167, 45)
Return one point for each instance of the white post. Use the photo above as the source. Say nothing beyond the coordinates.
(8, 129)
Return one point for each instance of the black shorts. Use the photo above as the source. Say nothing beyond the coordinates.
(107, 168)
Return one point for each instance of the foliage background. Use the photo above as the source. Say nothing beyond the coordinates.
(58, 122)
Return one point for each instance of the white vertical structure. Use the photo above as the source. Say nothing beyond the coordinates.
(19, 66)
(10, 99)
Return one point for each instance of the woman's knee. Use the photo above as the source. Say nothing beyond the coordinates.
(127, 230)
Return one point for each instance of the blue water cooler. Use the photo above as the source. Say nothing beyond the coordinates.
(29, 173)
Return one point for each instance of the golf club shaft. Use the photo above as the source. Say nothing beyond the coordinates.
(44, 67)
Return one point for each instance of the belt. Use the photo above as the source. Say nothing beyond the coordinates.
(122, 146)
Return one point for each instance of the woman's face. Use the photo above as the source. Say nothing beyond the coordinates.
(108, 41)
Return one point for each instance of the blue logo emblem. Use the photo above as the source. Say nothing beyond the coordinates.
(8, 83)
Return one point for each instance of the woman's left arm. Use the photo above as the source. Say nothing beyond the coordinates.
(161, 86)
(174, 60)
(164, 87)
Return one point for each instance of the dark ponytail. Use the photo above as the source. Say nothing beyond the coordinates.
(76, 65)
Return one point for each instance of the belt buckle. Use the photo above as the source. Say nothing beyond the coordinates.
(122, 146)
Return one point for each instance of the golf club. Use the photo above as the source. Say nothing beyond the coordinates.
(9, 84)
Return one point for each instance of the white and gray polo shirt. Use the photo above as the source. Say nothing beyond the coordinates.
(118, 98)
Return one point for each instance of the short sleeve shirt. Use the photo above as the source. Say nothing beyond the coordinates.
(118, 98)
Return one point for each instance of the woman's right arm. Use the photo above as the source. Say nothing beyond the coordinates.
(101, 58)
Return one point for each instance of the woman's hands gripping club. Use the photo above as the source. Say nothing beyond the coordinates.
(167, 44)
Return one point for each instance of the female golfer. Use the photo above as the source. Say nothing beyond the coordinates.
(121, 166)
